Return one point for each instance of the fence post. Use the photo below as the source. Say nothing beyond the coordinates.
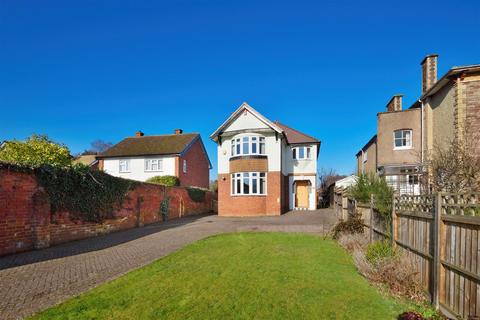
(436, 250)
(371, 218)
(393, 222)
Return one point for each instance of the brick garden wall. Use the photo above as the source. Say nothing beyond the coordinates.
(26, 221)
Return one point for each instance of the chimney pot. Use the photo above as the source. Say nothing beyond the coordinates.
(178, 131)
(139, 134)
(429, 72)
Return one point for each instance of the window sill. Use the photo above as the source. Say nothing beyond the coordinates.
(249, 156)
(403, 148)
(154, 171)
(248, 195)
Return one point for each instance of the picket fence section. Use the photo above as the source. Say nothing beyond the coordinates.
(440, 235)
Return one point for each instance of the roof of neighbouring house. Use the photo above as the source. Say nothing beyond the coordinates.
(368, 144)
(168, 144)
(294, 136)
(87, 159)
(453, 73)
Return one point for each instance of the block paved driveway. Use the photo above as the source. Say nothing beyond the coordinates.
(33, 281)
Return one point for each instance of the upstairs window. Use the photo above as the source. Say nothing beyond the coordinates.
(402, 139)
(365, 156)
(153, 164)
(300, 153)
(124, 166)
(248, 145)
(184, 166)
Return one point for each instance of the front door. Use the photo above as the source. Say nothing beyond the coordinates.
(301, 194)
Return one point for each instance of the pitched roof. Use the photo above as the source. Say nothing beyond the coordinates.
(233, 116)
(151, 145)
(368, 144)
(451, 74)
(294, 136)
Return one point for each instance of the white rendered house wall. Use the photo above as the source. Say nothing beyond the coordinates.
(136, 170)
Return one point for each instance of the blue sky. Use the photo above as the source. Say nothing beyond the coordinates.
(85, 70)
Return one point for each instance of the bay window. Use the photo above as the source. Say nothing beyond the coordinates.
(248, 183)
(248, 145)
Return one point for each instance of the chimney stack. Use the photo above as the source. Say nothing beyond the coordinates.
(178, 131)
(139, 134)
(395, 104)
(429, 72)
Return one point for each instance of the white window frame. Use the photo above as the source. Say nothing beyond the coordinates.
(238, 177)
(307, 153)
(365, 156)
(237, 142)
(150, 163)
(409, 142)
(124, 163)
(184, 165)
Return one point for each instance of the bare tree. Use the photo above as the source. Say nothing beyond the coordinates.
(100, 146)
(455, 167)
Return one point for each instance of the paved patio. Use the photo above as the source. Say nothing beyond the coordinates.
(33, 281)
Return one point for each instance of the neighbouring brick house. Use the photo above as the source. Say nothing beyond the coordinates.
(141, 157)
(264, 167)
(447, 109)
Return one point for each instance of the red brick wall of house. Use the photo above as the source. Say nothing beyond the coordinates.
(271, 204)
(198, 167)
(26, 221)
(472, 101)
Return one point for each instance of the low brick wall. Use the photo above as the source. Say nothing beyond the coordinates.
(26, 221)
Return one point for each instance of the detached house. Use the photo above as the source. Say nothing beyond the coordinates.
(264, 167)
(142, 157)
(447, 109)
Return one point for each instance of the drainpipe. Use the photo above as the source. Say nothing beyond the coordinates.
(422, 134)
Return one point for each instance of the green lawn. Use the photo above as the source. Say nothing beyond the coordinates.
(239, 276)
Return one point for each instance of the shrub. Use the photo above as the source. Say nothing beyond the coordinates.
(352, 242)
(196, 194)
(36, 151)
(398, 274)
(380, 251)
(371, 184)
(169, 181)
(352, 226)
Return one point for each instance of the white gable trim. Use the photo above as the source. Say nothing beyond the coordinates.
(244, 106)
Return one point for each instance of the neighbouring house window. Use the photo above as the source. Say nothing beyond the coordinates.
(124, 166)
(153, 164)
(412, 179)
(184, 166)
(246, 183)
(247, 145)
(402, 139)
(300, 153)
(365, 156)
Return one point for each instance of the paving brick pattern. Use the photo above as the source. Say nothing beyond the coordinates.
(33, 281)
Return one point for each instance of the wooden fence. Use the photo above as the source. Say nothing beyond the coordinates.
(440, 234)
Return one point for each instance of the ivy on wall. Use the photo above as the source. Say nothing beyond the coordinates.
(196, 194)
(89, 195)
